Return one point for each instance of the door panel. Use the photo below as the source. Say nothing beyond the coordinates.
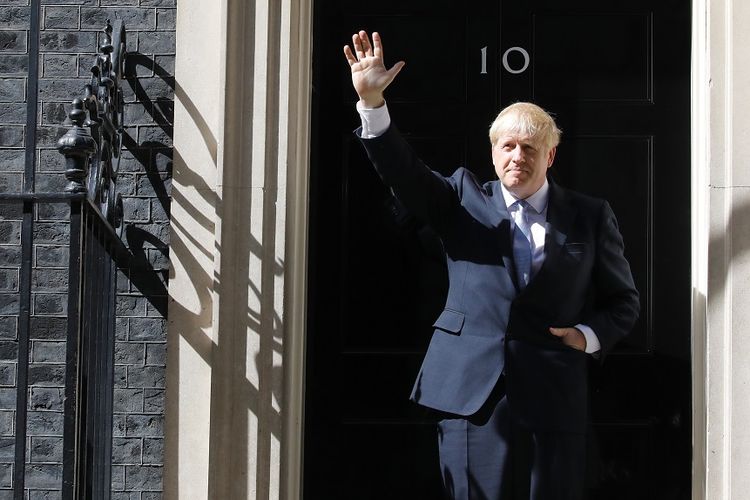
(377, 278)
(618, 168)
(584, 55)
(617, 79)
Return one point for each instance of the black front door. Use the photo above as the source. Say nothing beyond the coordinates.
(617, 79)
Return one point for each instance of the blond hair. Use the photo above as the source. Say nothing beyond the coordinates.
(525, 119)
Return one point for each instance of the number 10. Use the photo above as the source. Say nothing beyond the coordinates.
(506, 65)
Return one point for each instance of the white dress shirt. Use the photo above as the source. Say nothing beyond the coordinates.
(536, 217)
(375, 121)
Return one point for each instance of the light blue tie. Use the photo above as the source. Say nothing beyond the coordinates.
(522, 244)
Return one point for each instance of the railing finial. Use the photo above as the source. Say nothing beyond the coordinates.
(78, 146)
(93, 145)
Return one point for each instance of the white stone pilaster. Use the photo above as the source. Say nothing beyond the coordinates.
(239, 218)
(721, 261)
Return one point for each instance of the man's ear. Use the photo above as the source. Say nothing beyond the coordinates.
(551, 156)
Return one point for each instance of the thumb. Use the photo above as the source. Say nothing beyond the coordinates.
(395, 69)
(558, 332)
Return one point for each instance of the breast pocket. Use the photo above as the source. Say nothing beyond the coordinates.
(576, 251)
(450, 321)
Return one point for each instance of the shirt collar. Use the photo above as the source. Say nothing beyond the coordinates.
(537, 200)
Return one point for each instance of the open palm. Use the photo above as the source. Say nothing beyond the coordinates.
(369, 76)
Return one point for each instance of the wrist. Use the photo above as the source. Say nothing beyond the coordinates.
(581, 337)
(372, 102)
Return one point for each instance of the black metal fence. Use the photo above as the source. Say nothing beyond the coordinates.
(89, 378)
(92, 150)
(95, 253)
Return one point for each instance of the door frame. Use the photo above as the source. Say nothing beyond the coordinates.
(701, 99)
(700, 229)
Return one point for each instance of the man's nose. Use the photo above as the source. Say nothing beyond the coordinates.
(518, 153)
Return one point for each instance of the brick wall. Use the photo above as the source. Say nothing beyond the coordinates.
(10, 263)
(68, 38)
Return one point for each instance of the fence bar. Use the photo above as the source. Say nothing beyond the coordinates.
(108, 374)
(98, 463)
(87, 410)
(72, 370)
(93, 338)
(32, 97)
(27, 240)
(24, 327)
(49, 197)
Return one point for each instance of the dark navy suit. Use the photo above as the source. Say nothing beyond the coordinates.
(492, 339)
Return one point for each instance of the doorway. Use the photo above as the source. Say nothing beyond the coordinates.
(618, 81)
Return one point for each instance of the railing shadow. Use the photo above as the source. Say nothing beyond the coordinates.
(245, 341)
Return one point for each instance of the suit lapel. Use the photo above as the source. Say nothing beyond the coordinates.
(560, 216)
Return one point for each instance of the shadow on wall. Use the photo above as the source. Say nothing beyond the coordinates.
(732, 246)
(256, 330)
(151, 150)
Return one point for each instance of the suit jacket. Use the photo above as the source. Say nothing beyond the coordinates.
(490, 327)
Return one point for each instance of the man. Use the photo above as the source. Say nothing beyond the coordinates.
(537, 279)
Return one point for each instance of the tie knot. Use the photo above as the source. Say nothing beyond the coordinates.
(523, 205)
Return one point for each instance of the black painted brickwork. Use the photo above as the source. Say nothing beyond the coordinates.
(67, 45)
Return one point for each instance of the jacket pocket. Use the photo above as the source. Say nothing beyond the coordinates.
(450, 321)
(575, 251)
(575, 248)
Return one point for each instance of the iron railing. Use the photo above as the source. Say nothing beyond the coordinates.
(92, 149)
(89, 380)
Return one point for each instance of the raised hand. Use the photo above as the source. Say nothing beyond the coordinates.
(369, 76)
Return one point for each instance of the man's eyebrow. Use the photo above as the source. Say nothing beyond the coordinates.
(525, 141)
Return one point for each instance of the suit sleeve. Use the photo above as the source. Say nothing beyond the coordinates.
(426, 194)
(617, 301)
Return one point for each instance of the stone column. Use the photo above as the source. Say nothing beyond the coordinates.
(236, 316)
(721, 261)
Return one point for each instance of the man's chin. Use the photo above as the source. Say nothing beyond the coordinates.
(513, 182)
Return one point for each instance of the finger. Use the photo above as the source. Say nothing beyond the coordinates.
(395, 69)
(378, 44)
(558, 332)
(366, 45)
(358, 46)
(349, 56)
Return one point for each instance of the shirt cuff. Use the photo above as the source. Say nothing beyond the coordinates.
(592, 341)
(375, 121)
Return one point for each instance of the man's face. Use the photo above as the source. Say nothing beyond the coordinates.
(521, 163)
